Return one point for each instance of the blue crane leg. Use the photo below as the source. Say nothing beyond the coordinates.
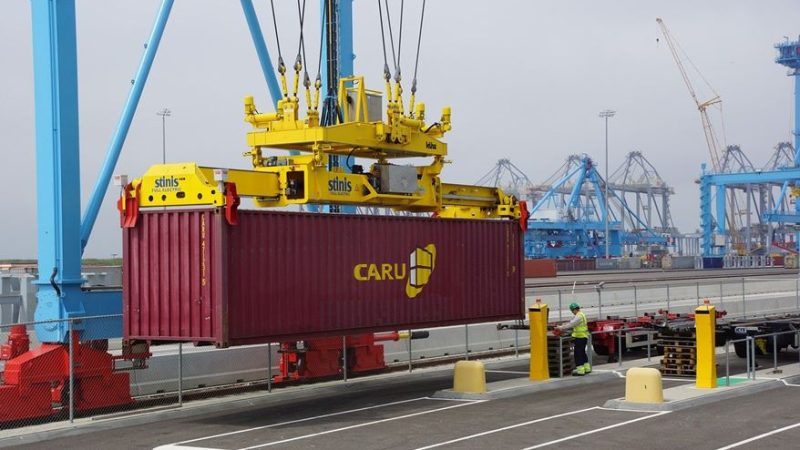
(261, 50)
(124, 124)
(55, 77)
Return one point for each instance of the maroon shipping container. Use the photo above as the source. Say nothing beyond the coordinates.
(278, 276)
(540, 268)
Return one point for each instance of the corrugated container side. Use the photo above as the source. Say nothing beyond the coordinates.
(281, 276)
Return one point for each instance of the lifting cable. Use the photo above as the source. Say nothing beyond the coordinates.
(391, 39)
(301, 62)
(281, 65)
(386, 74)
(416, 63)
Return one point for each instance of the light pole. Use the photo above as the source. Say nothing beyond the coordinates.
(164, 113)
(605, 114)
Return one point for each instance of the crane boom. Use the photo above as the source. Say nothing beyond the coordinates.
(711, 138)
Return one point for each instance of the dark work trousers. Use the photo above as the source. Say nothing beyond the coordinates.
(580, 352)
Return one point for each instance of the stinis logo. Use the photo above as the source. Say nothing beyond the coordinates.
(166, 184)
(340, 186)
(421, 263)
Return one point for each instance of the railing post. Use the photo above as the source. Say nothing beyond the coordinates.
(71, 373)
(744, 310)
(599, 304)
(180, 373)
(775, 353)
(697, 284)
(590, 353)
(797, 293)
(409, 348)
(619, 348)
(344, 357)
(561, 356)
(559, 305)
(727, 362)
(635, 301)
(669, 308)
(466, 342)
(747, 354)
(269, 367)
(516, 343)
(649, 343)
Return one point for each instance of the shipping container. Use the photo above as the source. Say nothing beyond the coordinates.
(713, 262)
(606, 264)
(540, 268)
(630, 263)
(279, 276)
(575, 264)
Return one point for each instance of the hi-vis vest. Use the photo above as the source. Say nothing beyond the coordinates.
(582, 329)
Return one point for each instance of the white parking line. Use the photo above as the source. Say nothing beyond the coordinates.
(510, 427)
(306, 419)
(585, 433)
(760, 436)
(360, 425)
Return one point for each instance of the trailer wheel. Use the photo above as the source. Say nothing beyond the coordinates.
(600, 350)
(741, 349)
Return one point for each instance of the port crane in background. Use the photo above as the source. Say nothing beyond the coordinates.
(712, 140)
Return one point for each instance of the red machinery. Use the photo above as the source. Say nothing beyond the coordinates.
(322, 357)
(36, 383)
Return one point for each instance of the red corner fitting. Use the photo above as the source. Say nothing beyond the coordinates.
(232, 201)
(128, 206)
(523, 215)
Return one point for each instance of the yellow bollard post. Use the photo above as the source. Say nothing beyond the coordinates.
(705, 323)
(537, 321)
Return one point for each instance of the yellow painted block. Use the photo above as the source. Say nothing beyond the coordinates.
(469, 377)
(643, 385)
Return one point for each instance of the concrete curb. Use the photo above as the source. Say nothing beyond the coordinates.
(517, 387)
(711, 396)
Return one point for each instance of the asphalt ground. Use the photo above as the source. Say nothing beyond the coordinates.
(399, 413)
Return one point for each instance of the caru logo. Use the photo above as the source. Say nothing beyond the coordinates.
(167, 182)
(340, 186)
(430, 145)
(417, 272)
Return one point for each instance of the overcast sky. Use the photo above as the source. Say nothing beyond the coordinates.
(525, 79)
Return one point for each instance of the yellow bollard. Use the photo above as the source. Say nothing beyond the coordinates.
(469, 377)
(705, 323)
(537, 321)
(643, 385)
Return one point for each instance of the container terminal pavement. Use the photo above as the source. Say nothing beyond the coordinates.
(506, 402)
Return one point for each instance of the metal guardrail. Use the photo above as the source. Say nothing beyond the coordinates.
(750, 355)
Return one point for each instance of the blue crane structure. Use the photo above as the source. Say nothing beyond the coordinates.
(568, 220)
(70, 345)
(716, 236)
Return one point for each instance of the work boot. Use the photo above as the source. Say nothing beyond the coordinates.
(579, 372)
(587, 368)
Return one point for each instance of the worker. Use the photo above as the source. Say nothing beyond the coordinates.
(580, 332)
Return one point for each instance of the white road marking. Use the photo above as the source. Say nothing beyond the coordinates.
(585, 433)
(183, 447)
(760, 436)
(306, 419)
(497, 430)
(789, 384)
(643, 411)
(360, 425)
(514, 372)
